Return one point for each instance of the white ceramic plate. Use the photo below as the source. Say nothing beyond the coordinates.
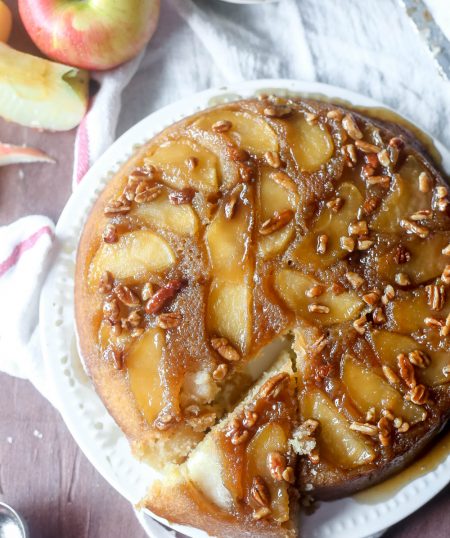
(86, 417)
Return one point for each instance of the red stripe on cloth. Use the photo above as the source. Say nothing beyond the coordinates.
(22, 247)
(82, 150)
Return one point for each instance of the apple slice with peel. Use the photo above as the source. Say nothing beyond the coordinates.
(270, 438)
(10, 154)
(38, 93)
(229, 312)
(312, 145)
(332, 224)
(132, 258)
(251, 132)
(142, 362)
(388, 345)
(184, 163)
(292, 286)
(368, 389)
(337, 443)
(180, 219)
(404, 199)
(426, 261)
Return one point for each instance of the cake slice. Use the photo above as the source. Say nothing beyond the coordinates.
(238, 480)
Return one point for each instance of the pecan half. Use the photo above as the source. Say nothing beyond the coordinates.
(401, 255)
(351, 127)
(436, 296)
(146, 192)
(419, 358)
(111, 310)
(163, 296)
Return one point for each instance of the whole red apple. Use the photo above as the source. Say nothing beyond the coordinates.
(91, 34)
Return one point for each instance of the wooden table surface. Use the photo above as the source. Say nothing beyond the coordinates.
(43, 473)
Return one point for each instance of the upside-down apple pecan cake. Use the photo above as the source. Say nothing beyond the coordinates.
(262, 304)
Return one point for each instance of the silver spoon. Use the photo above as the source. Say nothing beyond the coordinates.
(11, 524)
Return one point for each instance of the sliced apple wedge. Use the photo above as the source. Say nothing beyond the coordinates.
(273, 196)
(229, 312)
(142, 363)
(337, 443)
(426, 259)
(133, 258)
(271, 438)
(404, 199)
(38, 93)
(10, 154)
(388, 345)
(180, 219)
(332, 224)
(184, 163)
(251, 132)
(312, 145)
(368, 389)
(273, 244)
(227, 241)
(292, 286)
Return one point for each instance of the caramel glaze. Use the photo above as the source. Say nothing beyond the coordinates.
(188, 346)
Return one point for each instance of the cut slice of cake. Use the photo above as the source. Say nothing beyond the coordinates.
(239, 480)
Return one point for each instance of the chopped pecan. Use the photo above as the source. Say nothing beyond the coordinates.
(169, 320)
(260, 492)
(385, 431)
(347, 243)
(351, 127)
(318, 308)
(222, 126)
(191, 163)
(147, 291)
(183, 196)
(110, 234)
(419, 394)
(111, 310)
(239, 437)
(277, 464)
(366, 147)
(250, 418)
(163, 296)
(146, 192)
(413, 228)
(116, 207)
(390, 375)
(278, 221)
(402, 279)
(220, 372)
(401, 255)
(419, 358)
(277, 111)
(322, 242)
(272, 158)
(106, 282)
(273, 386)
(335, 204)
(365, 428)
(355, 280)
(164, 420)
(225, 349)
(424, 182)
(406, 369)
(126, 296)
(384, 158)
(436, 296)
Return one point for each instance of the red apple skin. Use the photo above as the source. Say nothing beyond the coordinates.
(90, 34)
